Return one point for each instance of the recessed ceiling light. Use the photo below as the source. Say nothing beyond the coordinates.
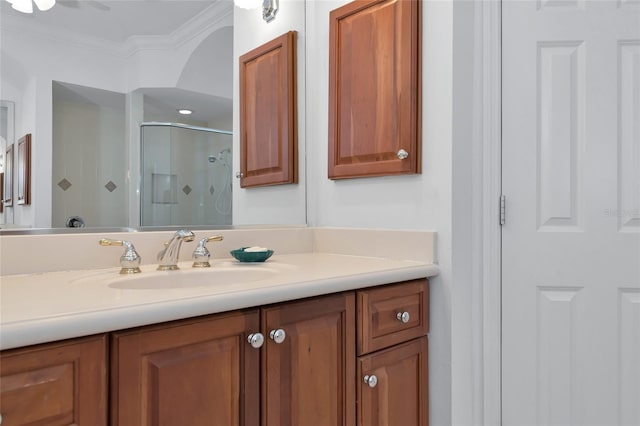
(185, 111)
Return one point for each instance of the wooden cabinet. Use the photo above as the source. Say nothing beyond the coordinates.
(399, 397)
(63, 383)
(205, 371)
(309, 378)
(392, 344)
(375, 89)
(300, 370)
(268, 114)
(194, 372)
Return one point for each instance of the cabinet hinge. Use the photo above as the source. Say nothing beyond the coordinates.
(503, 201)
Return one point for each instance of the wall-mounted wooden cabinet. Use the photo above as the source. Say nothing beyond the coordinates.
(24, 170)
(268, 114)
(375, 89)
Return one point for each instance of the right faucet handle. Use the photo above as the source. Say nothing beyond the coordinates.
(130, 259)
(201, 254)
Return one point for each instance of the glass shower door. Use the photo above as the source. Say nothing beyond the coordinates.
(186, 175)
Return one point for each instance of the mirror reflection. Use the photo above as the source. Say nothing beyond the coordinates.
(186, 175)
(106, 72)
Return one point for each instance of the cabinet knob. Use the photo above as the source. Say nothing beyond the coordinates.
(371, 380)
(239, 175)
(402, 154)
(256, 340)
(278, 335)
(403, 317)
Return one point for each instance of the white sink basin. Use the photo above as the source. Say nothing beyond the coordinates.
(191, 278)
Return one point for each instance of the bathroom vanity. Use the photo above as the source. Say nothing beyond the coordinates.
(310, 338)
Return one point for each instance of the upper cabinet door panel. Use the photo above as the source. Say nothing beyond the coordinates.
(268, 118)
(374, 89)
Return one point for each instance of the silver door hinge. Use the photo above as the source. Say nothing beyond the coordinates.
(503, 201)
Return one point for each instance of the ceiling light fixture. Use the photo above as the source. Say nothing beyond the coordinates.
(248, 4)
(26, 6)
(269, 7)
(185, 111)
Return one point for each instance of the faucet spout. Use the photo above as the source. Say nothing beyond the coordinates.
(168, 257)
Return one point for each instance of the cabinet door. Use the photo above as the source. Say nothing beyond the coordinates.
(399, 393)
(309, 378)
(374, 89)
(55, 384)
(268, 113)
(196, 372)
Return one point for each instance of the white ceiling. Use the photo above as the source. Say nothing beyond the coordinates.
(116, 20)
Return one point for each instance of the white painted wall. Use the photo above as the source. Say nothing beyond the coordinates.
(90, 146)
(401, 202)
(280, 204)
(468, 263)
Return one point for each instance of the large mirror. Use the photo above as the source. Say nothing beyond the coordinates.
(99, 85)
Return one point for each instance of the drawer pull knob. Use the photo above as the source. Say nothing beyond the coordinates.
(256, 340)
(402, 154)
(371, 380)
(403, 317)
(278, 335)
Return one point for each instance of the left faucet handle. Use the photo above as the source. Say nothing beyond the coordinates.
(130, 259)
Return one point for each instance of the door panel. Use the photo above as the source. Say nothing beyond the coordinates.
(400, 396)
(309, 378)
(55, 384)
(571, 242)
(192, 372)
(374, 89)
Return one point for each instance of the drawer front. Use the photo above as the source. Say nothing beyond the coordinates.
(392, 314)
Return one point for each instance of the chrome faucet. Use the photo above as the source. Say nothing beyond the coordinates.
(168, 257)
(201, 254)
(130, 259)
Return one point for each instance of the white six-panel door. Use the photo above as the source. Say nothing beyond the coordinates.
(571, 241)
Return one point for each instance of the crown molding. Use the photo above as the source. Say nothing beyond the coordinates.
(218, 15)
(27, 30)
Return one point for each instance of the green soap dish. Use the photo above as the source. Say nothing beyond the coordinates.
(251, 256)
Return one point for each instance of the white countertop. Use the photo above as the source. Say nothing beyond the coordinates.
(45, 307)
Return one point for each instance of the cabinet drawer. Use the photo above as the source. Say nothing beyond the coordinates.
(380, 315)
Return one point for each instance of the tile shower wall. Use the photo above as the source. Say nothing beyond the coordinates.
(89, 164)
(186, 177)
